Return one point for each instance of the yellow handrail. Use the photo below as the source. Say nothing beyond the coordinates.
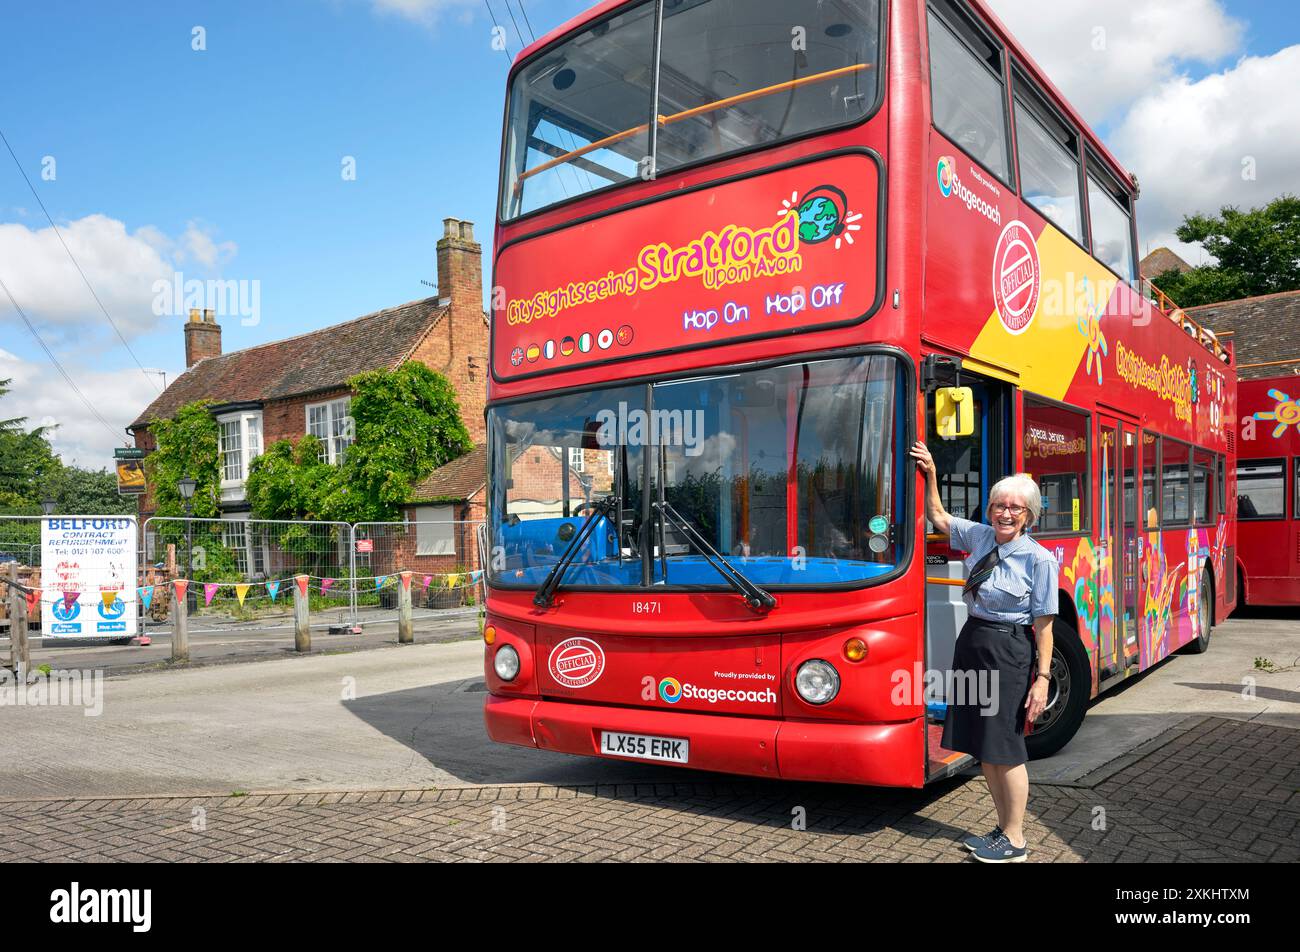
(687, 114)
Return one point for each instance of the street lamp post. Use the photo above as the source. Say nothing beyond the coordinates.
(48, 506)
(186, 487)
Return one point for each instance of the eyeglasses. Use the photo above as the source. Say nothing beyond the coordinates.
(1014, 510)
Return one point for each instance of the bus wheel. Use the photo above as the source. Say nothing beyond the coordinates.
(1067, 694)
(1204, 619)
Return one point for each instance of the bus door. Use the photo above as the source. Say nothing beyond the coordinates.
(967, 467)
(1117, 547)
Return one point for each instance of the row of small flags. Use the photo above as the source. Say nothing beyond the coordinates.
(210, 589)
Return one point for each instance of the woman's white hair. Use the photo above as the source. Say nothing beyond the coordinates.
(1022, 486)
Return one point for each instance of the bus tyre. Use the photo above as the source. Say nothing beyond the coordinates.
(1205, 619)
(1067, 694)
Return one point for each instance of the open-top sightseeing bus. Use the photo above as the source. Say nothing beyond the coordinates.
(1268, 490)
(746, 253)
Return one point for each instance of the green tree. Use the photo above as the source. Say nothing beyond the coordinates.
(1257, 252)
(92, 492)
(405, 423)
(188, 444)
(28, 467)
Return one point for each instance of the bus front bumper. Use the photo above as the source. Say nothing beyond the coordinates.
(891, 755)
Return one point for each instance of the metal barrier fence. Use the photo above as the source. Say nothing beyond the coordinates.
(241, 571)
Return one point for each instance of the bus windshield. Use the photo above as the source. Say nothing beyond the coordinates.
(791, 472)
(733, 74)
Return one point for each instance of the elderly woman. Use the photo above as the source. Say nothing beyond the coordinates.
(1010, 595)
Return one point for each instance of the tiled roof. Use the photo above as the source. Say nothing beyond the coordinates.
(318, 360)
(1160, 261)
(462, 478)
(1263, 329)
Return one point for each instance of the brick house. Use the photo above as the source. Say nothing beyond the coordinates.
(451, 501)
(1265, 331)
(288, 388)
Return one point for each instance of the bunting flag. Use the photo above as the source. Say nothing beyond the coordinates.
(273, 589)
(209, 590)
(241, 591)
(181, 585)
(380, 580)
(325, 584)
(70, 599)
(108, 598)
(302, 581)
(406, 580)
(33, 601)
(475, 575)
(146, 595)
(453, 580)
(428, 580)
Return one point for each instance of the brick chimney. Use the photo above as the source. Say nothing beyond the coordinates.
(202, 336)
(460, 290)
(460, 265)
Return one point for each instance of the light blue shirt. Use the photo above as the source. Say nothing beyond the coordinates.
(1023, 584)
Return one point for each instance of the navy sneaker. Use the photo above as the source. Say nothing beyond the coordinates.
(1000, 850)
(973, 843)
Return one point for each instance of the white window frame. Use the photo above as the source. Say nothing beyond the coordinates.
(577, 459)
(336, 436)
(248, 427)
(435, 530)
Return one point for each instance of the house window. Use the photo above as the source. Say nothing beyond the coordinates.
(577, 463)
(234, 536)
(435, 530)
(331, 424)
(241, 443)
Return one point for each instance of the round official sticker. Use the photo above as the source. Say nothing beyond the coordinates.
(1017, 277)
(576, 662)
(878, 524)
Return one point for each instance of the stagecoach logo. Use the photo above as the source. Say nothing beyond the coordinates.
(576, 662)
(1017, 277)
(950, 184)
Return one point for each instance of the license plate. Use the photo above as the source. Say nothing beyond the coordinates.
(673, 750)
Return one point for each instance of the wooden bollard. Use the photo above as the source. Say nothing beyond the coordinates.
(405, 626)
(180, 620)
(20, 652)
(301, 624)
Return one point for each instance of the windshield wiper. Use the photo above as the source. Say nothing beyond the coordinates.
(546, 593)
(755, 597)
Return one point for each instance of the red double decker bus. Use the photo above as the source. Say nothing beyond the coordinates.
(744, 251)
(1268, 490)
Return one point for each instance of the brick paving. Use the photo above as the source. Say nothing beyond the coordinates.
(1223, 790)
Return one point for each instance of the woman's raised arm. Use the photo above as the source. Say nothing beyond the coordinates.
(934, 510)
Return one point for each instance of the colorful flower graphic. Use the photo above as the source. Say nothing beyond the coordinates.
(1090, 327)
(1086, 597)
(1286, 413)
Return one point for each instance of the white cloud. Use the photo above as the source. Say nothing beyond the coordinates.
(121, 265)
(40, 394)
(1195, 145)
(422, 11)
(1103, 54)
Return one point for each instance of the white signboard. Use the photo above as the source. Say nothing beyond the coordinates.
(88, 576)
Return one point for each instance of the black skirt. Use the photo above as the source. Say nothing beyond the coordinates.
(986, 715)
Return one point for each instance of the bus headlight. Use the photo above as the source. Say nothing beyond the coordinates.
(817, 681)
(506, 663)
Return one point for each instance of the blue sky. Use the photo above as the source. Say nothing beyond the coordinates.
(226, 162)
